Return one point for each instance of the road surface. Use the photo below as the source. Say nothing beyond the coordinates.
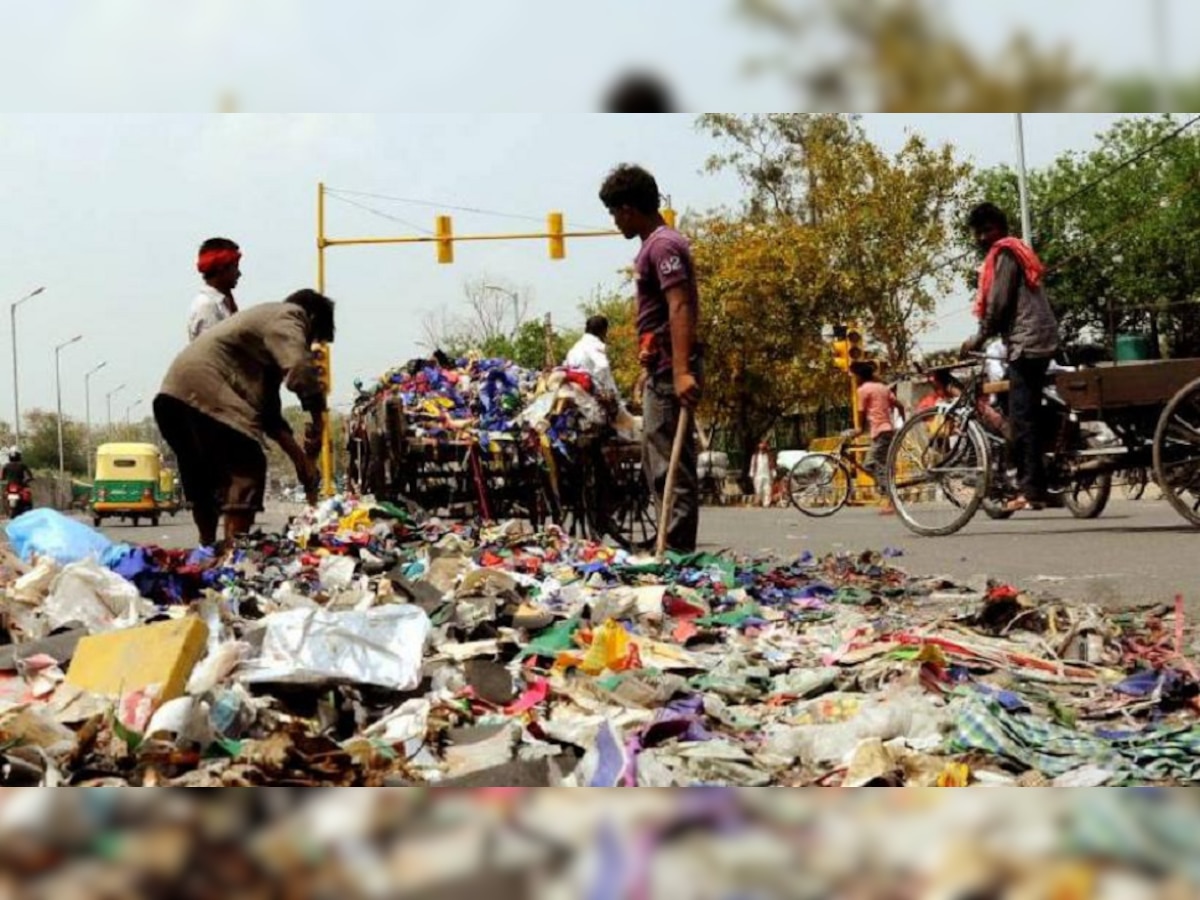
(1136, 552)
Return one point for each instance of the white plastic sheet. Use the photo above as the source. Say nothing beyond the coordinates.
(99, 599)
(382, 647)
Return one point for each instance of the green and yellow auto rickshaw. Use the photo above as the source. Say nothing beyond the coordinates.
(127, 483)
(168, 496)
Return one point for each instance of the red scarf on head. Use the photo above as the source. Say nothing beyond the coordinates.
(212, 260)
(1032, 266)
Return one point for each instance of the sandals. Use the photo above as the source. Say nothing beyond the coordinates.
(1020, 504)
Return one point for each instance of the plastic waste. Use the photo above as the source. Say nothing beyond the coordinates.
(336, 572)
(383, 647)
(98, 599)
(44, 532)
(216, 668)
(32, 587)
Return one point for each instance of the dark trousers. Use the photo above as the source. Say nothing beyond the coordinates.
(660, 421)
(1027, 382)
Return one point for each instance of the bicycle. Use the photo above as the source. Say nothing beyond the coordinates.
(948, 462)
(821, 484)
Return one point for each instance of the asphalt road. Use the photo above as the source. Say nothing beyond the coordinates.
(1136, 552)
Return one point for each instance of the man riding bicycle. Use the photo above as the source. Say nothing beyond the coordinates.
(1011, 304)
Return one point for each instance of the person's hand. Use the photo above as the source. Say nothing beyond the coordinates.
(687, 389)
(309, 478)
(640, 387)
(849, 434)
(967, 348)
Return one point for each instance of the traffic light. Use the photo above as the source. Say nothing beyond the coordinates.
(445, 240)
(320, 361)
(848, 346)
(555, 228)
(856, 343)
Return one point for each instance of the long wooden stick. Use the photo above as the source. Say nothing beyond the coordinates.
(668, 499)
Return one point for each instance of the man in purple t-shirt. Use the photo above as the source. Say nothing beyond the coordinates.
(668, 307)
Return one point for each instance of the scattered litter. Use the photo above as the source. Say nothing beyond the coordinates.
(368, 647)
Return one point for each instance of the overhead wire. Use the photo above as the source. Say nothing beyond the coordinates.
(382, 214)
(450, 207)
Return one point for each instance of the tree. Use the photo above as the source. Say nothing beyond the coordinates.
(40, 442)
(494, 314)
(1120, 241)
(905, 56)
(882, 224)
(766, 296)
(832, 230)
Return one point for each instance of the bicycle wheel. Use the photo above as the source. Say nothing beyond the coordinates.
(819, 485)
(939, 473)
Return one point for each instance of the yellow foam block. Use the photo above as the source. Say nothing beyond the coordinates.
(122, 662)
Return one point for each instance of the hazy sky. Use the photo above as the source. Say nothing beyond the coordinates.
(106, 211)
(410, 56)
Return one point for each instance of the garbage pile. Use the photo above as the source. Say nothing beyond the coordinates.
(445, 399)
(367, 648)
(1102, 845)
(489, 399)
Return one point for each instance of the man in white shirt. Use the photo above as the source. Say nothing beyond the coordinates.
(220, 264)
(590, 354)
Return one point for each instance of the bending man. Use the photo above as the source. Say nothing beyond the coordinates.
(220, 399)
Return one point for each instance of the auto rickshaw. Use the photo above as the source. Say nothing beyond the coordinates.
(127, 483)
(168, 494)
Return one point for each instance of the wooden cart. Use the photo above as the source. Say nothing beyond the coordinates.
(1154, 409)
(595, 490)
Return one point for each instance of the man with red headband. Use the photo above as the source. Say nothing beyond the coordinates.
(220, 264)
(1011, 304)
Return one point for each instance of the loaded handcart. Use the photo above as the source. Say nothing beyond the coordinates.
(486, 440)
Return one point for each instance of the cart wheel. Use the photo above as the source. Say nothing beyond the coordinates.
(1177, 452)
(1088, 496)
(939, 473)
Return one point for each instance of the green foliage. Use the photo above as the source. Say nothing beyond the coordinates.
(1123, 255)
(832, 230)
(39, 439)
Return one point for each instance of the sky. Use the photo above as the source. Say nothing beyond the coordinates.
(454, 55)
(107, 211)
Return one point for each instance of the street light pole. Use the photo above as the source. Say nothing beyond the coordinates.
(108, 401)
(62, 459)
(129, 410)
(12, 313)
(1023, 181)
(87, 400)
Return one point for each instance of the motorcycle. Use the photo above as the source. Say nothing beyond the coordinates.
(19, 499)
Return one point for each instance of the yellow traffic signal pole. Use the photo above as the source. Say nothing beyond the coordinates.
(445, 239)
